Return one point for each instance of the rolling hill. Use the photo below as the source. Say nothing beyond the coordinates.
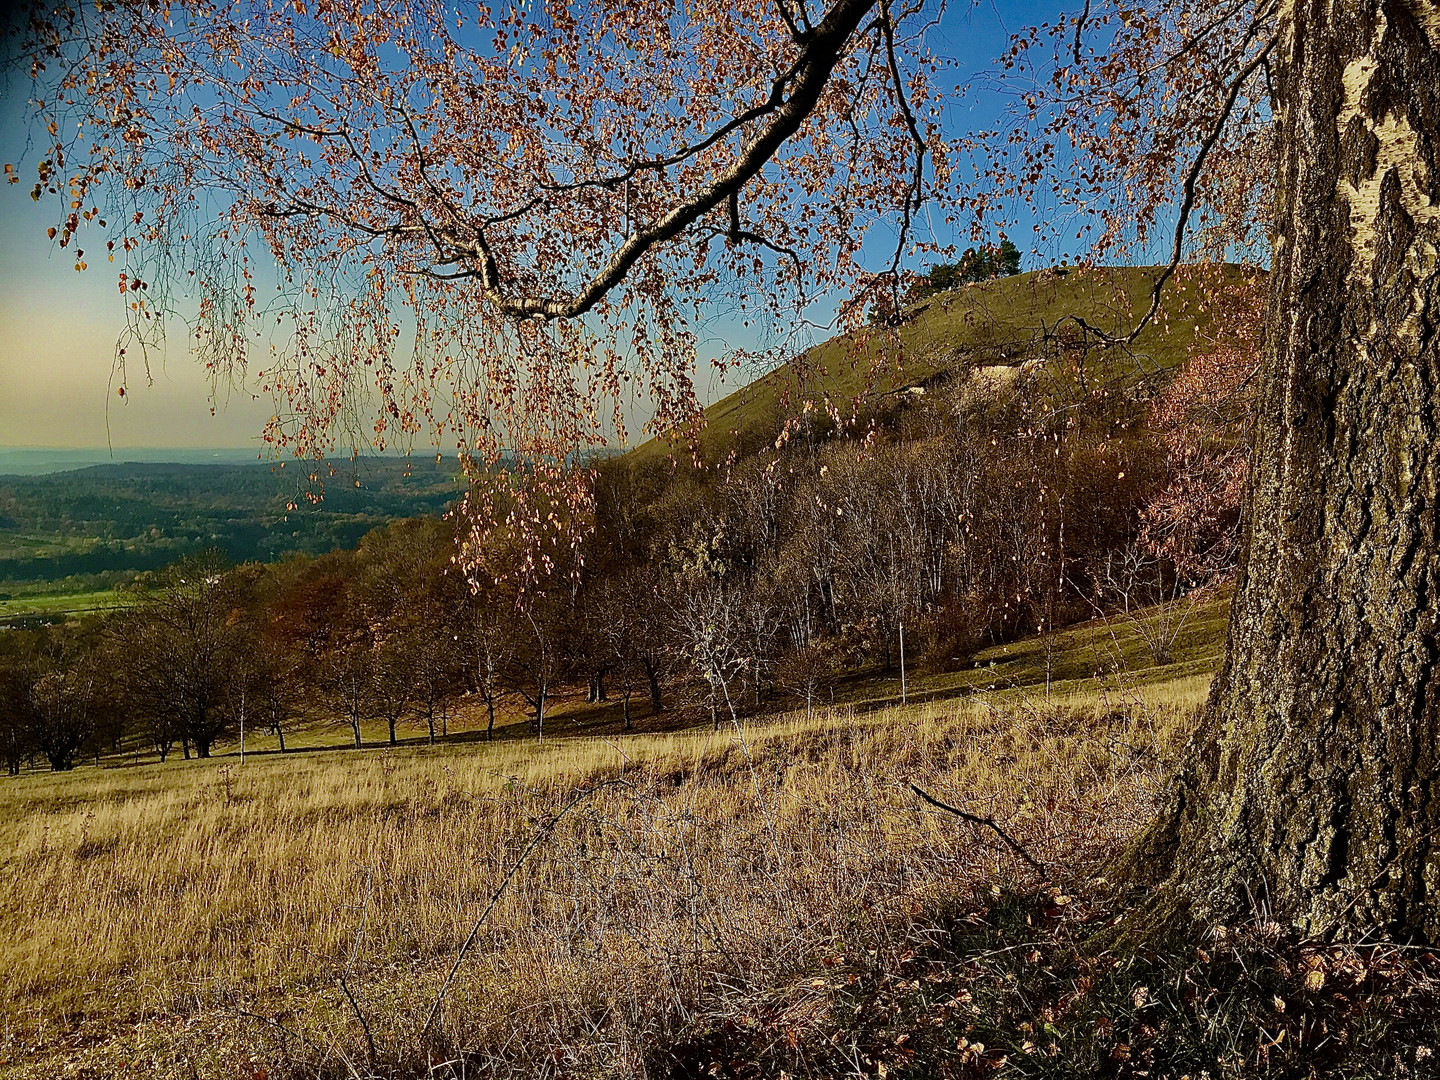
(88, 525)
(997, 324)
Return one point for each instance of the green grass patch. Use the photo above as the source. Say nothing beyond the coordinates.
(998, 323)
(62, 604)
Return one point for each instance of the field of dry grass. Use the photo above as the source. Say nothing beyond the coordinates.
(299, 914)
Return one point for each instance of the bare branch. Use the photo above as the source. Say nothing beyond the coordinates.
(988, 822)
(915, 198)
(1080, 29)
(822, 51)
(660, 164)
(738, 233)
(364, 1025)
(1187, 204)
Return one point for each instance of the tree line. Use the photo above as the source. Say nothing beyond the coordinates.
(1001, 503)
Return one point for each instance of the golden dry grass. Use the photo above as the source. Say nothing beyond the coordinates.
(195, 918)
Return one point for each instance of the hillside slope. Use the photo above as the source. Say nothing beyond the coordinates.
(1000, 323)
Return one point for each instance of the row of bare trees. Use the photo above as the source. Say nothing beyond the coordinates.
(386, 635)
(998, 506)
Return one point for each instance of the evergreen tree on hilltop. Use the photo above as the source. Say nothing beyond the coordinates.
(976, 264)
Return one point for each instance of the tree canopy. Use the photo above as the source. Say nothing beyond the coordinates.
(495, 227)
(977, 264)
(541, 196)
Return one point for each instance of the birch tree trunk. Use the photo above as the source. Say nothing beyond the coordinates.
(1311, 790)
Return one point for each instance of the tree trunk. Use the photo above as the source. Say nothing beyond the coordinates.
(1312, 784)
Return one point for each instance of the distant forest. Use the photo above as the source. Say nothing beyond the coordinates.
(95, 527)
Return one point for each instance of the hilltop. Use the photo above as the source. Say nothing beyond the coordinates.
(1000, 326)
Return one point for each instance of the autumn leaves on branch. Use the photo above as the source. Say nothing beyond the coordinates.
(510, 228)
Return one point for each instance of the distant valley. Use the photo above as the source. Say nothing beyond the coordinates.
(91, 528)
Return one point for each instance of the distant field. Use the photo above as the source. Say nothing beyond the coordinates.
(82, 603)
(90, 527)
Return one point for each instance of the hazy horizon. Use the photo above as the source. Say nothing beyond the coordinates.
(43, 460)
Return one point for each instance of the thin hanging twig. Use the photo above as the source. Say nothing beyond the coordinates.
(1187, 204)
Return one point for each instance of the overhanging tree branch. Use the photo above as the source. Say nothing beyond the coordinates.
(915, 197)
(1187, 205)
(793, 98)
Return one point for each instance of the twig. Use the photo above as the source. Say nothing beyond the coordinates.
(364, 1025)
(915, 198)
(988, 822)
(350, 966)
(287, 1032)
(541, 834)
(1187, 204)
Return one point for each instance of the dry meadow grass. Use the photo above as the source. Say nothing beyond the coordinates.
(207, 919)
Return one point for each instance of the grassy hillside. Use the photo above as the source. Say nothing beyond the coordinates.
(773, 897)
(1001, 323)
(79, 531)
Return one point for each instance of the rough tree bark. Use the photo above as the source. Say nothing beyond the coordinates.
(1311, 789)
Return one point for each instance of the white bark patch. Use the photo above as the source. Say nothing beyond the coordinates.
(1427, 14)
(1398, 151)
(998, 374)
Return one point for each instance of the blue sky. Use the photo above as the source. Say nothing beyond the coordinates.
(58, 328)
